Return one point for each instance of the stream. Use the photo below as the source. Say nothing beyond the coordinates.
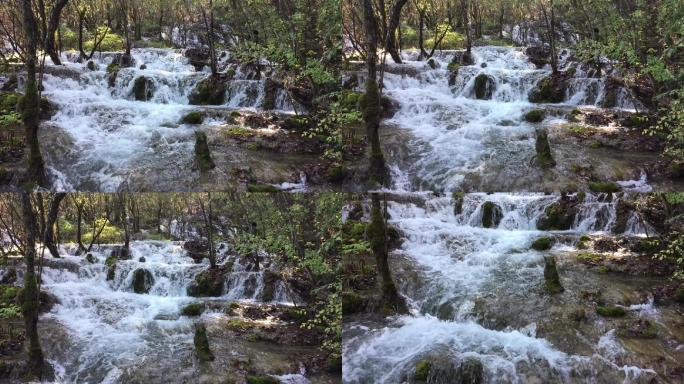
(102, 139)
(478, 292)
(443, 138)
(100, 331)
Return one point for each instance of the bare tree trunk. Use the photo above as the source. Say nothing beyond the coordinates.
(210, 233)
(30, 298)
(391, 38)
(49, 229)
(35, 172)
(52, 26)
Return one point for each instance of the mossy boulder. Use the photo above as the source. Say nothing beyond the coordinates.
(422, 370)
(143, 88)
(458, 202)
(471, 371)
(551, 277)
(543, 243)
(432, 63)
(91, 66)
(91, 259)
(352, 303)
(202, 153)
(111, 260)
(491, 215)
(604, 187)
(142, 280)
(606, 311)
(543, 149)
(551, 89)
(336, 173)
(193, 118)
(194, 309)
(484, 87)
(262, 188)
(111, 272)
(271, 88)
(558, 216)
(271, 279)
(202, 344)
(262, 380)
(210, 91)
(535, 116)
(208, 283)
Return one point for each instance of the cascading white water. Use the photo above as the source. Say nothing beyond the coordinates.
(112, 330)
(105, 136)
(459, 277)
(454, 136)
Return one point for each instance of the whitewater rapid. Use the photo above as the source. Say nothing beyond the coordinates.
(477, 292)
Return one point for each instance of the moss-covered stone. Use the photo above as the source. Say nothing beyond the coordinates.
(91, 259)
(535, 116)
(208, 283)
(202, 153)
(202, 344)
(262, 188)
(558, 216)
(471, 371)
(543, 149)
(91, 65)
(458, 202)
(210, 91)
(352, 303)
(194, 309)
(194, 117)
(142, 280)
(432, 63)
(550, 90)
(112, 68)
(271, 279)
(111, 272)
(491, 215)
(543, 243)
(271, 88)
(422, 370)
(551, 277)
(611, 311)
(262, 380)
(336, 173)
(111, 260)
(143, 88)
(604, 187)
(484, 87)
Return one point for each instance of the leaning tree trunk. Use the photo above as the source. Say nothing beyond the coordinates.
(52, 26)
(30, 298)
(391, 38)
(30, 105)
(48, 236)
(371, 99)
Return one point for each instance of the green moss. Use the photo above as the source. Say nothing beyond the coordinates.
(240, 133)
(535, 116)
(235, 114)
(210, 91)
(8, 294)
(194, 309)
(543, 243)
(193, 117)
(543, 149)
(238, 325)
(262, 380)
(202, 344)
(588, 257)
(551, 277)
(422, 370)
(604, 187)
(581, 196)
(603, 270)
(370, 102)
(111, 260)
(611, 311)
(112, 68)
(350, 100)
(202, 153)
(336, 173)
(579, 130)
(556, 217)
(111, 272)
(262, 188)
(453, 67)
(352, 303)
(358, 230)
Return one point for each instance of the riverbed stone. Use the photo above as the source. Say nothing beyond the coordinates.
(558, 216)
(142, 280)
(202, 153)
(207, 283)
(270, 281)
(210, 91)
(543, 149)
(551, 89)
(551, 277)
(202, 344)
(193, 309)
(543, 243)
(535, 116)
(262, 380)
(143, 88)
(458, 202)
(484, 87)
(192, 118)
(491, 215)
(271, 88)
